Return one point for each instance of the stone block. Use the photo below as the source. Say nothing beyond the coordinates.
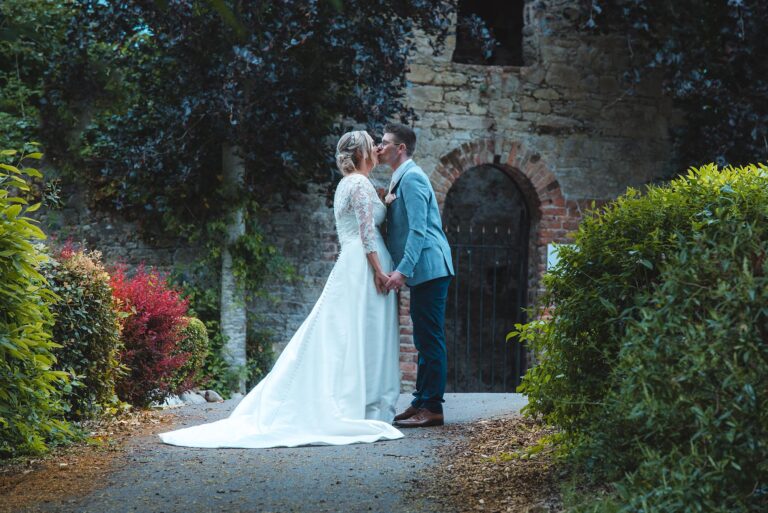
(510, 84)
(469, 122)
(502, 107)
(465, 96)
(556, 53)
(192, 398)
(419, 104)
(477, 109)
(426, 93)
(451, 79)
(546, 94)
(420, 74)
(533, 75)
(431, 120)
(452, 108)
(562, 75)
(530, 105)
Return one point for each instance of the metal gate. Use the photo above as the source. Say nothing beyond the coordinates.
(485, 300)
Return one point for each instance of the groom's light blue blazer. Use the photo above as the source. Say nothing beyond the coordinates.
(415, 236)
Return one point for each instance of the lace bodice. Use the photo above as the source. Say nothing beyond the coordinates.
(358, 210)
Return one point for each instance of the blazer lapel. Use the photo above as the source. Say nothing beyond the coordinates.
(394, 184)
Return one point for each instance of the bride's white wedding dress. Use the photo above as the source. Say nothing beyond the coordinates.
(337, 380)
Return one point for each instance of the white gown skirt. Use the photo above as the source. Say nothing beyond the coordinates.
(337, 380)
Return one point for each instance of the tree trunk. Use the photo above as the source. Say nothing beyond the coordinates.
(233, 308)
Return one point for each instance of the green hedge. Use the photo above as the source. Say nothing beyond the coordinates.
(87, 328)
(194, 344)
(30, 404)
(654, 362)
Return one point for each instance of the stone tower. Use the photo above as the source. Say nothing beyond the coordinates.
(550, 116)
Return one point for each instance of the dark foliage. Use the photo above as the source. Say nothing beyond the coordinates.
(166, 84)
(31, 32)
(145, 95)
(712, 56)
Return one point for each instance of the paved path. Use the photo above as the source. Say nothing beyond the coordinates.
(353, 478)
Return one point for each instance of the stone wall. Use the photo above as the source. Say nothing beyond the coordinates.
(116, 238)
(305, 234)
(562, 127)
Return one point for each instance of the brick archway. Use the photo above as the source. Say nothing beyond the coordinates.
(553, 218)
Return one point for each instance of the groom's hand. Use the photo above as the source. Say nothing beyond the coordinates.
(396, 281)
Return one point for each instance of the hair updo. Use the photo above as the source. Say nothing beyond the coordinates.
(353, 149)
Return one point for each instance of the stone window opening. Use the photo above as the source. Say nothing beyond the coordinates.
(504, 19)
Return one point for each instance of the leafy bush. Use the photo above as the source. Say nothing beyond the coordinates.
(655, 360)
(193, 344)
(30, 404)
(217, 374)
(151, 332)
(259, 354)
(86, 326)
(32, 33)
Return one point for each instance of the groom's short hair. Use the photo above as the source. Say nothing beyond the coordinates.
(404, 135)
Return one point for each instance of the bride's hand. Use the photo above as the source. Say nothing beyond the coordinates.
(380, 279)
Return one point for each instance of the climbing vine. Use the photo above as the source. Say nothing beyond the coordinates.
(710, 55)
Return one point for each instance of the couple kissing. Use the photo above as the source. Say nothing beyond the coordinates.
(338, 380)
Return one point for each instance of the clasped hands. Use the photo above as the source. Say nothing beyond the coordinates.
(387, 282)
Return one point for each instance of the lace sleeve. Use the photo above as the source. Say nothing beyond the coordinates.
(361, 203)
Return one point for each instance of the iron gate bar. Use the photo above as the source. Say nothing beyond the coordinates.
(482, 294)
(469, 311)
(456, 311)
(504, 349)
(522, 293)
(493, 323)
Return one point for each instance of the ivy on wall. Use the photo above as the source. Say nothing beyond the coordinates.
(711, 57)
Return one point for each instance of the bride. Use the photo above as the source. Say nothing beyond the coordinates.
(337, 380)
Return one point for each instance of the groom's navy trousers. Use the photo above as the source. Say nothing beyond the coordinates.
(428, 315)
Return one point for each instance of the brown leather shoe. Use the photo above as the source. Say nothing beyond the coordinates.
(407, 414)
(423, 418)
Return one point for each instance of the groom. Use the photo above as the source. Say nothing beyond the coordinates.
(419, 247)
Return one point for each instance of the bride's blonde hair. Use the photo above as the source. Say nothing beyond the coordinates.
(353, 149)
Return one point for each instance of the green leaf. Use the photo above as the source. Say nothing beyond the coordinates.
(12, 169)
(13, 211)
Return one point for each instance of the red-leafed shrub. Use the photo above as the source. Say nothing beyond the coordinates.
(153, 322)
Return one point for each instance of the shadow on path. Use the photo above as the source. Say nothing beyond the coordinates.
(159, 478)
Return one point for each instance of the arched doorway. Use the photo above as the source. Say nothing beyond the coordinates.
(551, 219)
(488, 224)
